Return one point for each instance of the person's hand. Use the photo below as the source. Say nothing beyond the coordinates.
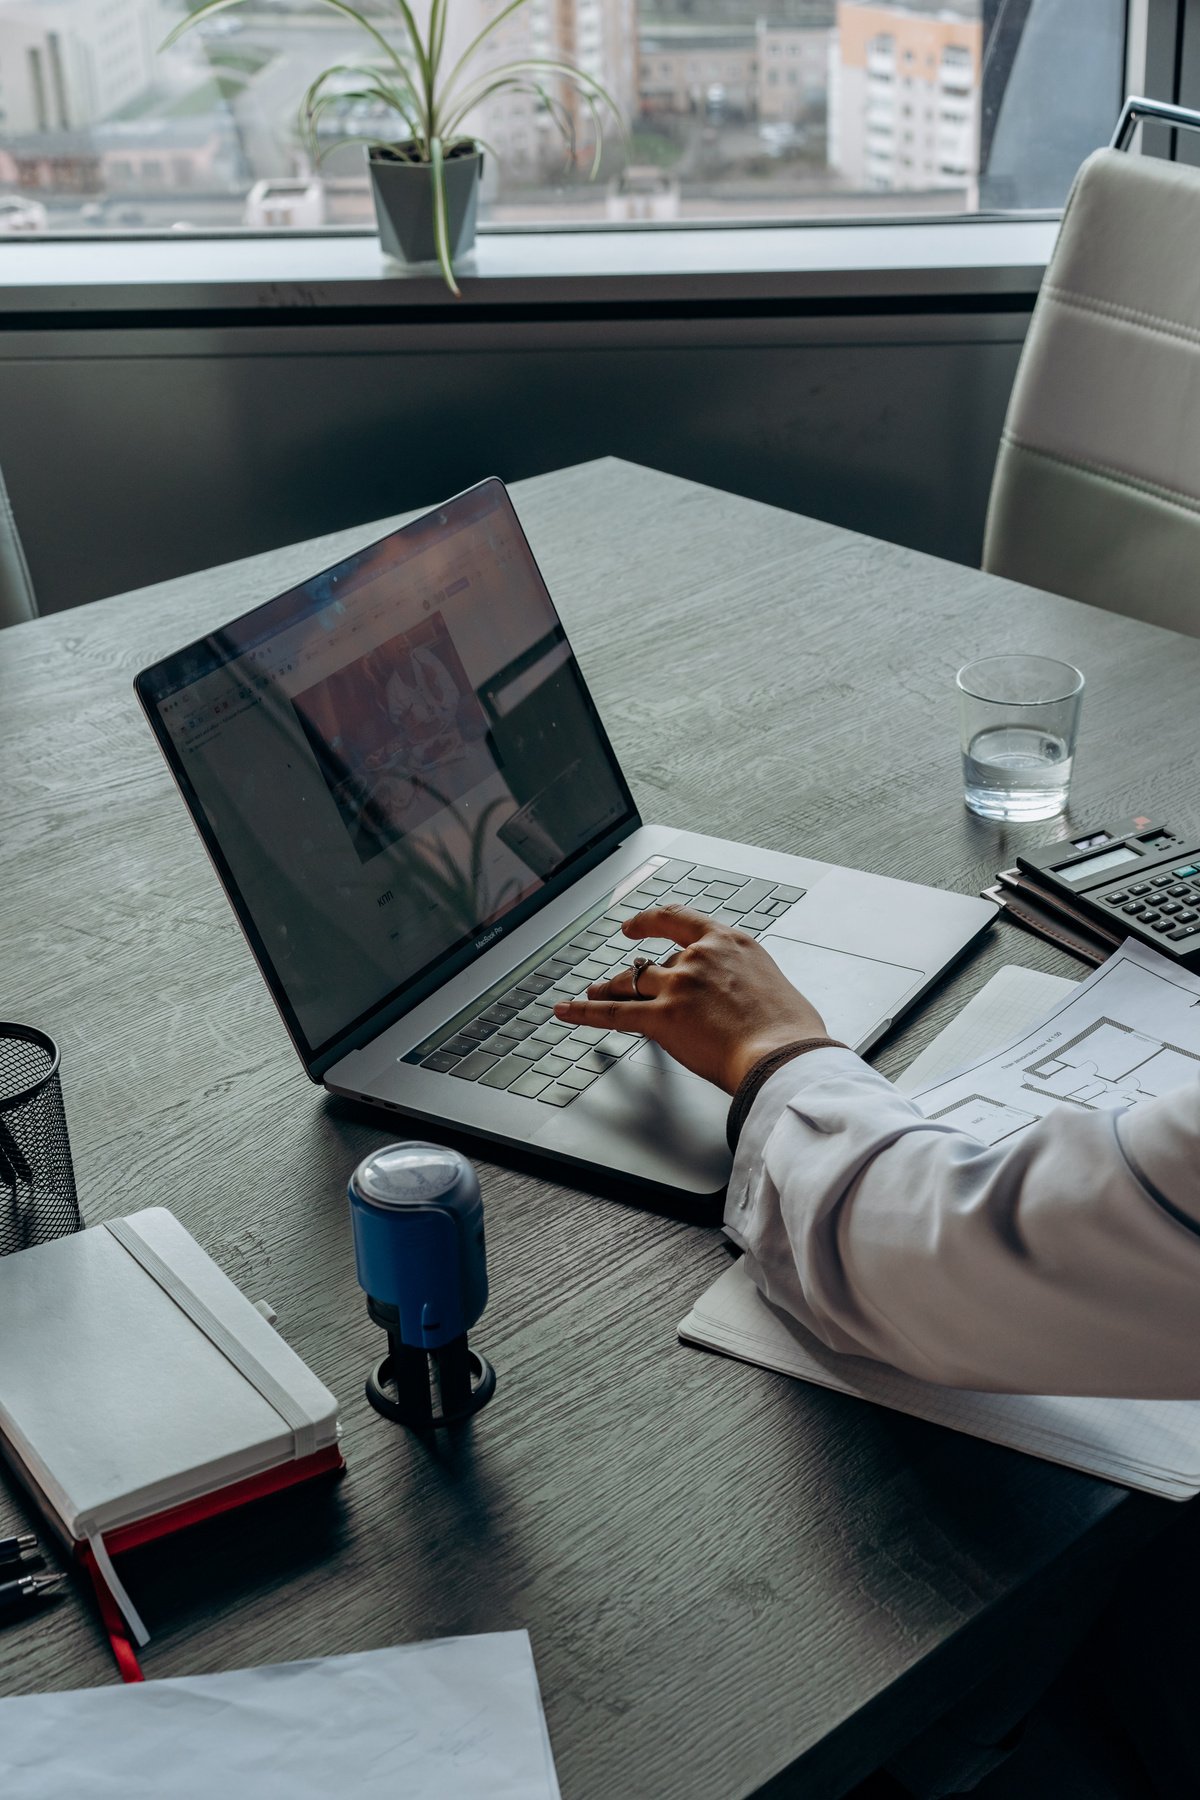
(718, 1006)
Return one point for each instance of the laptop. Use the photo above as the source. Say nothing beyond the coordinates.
(414, 809)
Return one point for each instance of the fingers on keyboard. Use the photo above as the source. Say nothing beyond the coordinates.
(515, 1043)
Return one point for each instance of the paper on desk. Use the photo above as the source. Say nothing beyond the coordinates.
(1128, 1033)
(1011, 1000)
(1149, 1444)
(444, 1720)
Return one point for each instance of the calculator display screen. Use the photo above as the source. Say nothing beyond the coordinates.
(1094, 865)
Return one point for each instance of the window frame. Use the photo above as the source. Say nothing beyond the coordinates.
(899, 261)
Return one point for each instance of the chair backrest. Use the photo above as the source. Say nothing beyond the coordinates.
(16, 589)
(1096, 492)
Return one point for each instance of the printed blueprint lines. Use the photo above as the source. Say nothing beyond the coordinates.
(986, 1119)
(1129, 1033)
(1105, 1066)
(1110, 1065)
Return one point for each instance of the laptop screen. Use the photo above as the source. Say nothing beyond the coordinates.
(390, 763)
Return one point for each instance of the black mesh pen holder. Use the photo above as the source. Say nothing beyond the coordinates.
(37, 1183)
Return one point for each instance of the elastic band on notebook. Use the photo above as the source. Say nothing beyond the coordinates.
(116, 1588)
(302, 1426)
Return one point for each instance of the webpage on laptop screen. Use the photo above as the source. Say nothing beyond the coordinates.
(394, 757)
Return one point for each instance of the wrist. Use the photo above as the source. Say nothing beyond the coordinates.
(760, 1072)
(746, 1056)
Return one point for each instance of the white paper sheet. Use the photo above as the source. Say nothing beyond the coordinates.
(1009, 1003)
(1129, 1032)
(446, 1720)
(1149, 1444)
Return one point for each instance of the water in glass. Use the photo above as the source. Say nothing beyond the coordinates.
(1016, 772)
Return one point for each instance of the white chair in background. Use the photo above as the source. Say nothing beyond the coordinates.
(16, 589)
(1096, 492)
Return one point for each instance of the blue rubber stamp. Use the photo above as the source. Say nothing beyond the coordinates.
(417, 1215)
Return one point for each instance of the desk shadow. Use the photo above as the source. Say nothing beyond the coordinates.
(454, 1526)
(237, 1560)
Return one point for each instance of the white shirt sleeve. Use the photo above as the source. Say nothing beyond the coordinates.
(1064, 1262)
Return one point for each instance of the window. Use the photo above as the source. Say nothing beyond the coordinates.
(108, 134)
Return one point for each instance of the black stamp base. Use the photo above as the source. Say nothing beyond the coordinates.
(401, 1386)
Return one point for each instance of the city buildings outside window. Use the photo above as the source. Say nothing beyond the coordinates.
(733, 109)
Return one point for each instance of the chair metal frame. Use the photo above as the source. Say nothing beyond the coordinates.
(1161, 112)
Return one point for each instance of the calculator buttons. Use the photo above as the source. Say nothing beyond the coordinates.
(1182, 931)
(1162, 881)
(1187, 917)
(1169, 907)
(1116, 899)
(1188, 869)
(1151, 918)
(1134, 908)
(1142, 887)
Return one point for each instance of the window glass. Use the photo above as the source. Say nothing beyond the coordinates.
(734, 110)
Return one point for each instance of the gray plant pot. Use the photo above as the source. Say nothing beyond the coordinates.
(403, 194)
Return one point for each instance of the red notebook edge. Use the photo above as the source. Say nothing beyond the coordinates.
(209, 1506)
(326, 1461)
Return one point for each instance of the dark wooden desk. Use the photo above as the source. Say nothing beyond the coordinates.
(732, 1582)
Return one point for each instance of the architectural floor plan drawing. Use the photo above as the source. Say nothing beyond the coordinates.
(1128, 1034)
(987, 1120)
(1110, 1064)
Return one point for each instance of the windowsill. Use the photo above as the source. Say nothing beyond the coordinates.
(819, 265)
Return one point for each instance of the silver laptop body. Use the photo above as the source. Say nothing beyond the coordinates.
(403, 784)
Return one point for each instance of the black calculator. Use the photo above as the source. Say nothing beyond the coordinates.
(1141, 881)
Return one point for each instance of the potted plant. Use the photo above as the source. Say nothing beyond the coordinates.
(425, 180)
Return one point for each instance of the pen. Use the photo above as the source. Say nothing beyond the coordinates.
(14, 1594)
(12, 1549)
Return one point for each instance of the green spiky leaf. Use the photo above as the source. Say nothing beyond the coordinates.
(431, 107)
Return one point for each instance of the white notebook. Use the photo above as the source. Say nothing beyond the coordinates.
(135, 1377)
(1153, 1445)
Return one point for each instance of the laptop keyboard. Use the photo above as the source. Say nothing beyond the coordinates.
(509, 1038)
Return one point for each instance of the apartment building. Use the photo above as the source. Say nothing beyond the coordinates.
(793, 69)
(682, 64)
(765, 71)
(65, 64)
(601, 38)
(598, 36)
(904, 94)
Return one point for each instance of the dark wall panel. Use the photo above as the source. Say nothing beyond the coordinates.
(133, 457)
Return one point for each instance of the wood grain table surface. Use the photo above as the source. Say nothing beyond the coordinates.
(734, 1583)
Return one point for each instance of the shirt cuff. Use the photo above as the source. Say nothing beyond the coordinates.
(761, 1073)
(770, 1104)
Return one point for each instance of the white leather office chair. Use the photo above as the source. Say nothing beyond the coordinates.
(1096, 492)
(16, 589)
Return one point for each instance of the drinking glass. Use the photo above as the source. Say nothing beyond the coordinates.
(1019, 718)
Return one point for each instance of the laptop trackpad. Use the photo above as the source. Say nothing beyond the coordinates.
(650, 1118)
(853, 994)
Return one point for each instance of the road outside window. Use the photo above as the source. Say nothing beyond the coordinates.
(736, 110)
